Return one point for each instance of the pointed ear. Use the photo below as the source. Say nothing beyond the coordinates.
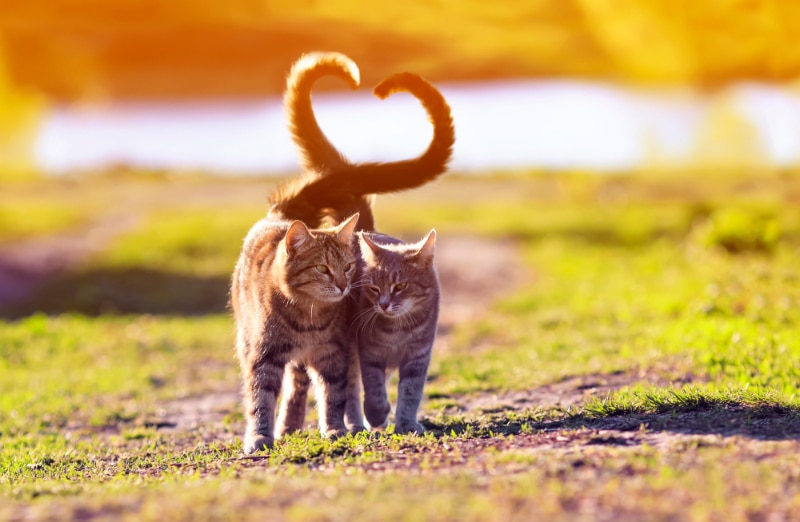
(345, 231)
(368, 248)
(297, 235)
(427, 247)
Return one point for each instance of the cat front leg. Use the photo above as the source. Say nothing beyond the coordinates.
(262, 384)
(353, 414)
(330, 385)
(376, 401)
(409, 394)
(294, 399)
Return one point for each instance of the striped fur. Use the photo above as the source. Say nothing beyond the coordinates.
(395, 325)
(287, 297)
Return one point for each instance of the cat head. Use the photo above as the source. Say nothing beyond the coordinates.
(319, 264)
(398, 278)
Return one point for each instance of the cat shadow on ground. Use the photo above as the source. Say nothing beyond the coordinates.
(766, 421)
(123, 291)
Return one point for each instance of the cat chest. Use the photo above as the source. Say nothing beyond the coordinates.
(394, 333)
(307, 340)
(395, 347)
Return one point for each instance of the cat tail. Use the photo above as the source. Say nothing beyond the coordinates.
(344, 180)
(361, 179)
(316, 152)
(377, 178)
(332, 186)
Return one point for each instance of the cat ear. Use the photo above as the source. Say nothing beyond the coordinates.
(345, 231)
(427, 247)
(297, 235)
(368, 247)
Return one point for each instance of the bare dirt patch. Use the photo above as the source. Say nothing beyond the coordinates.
(473, 273)
(570, 391)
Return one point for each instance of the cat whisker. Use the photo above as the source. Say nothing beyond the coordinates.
(359, 320)
(367, 322)
(413, 320)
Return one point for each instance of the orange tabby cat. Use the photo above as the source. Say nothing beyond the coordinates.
(286, 295)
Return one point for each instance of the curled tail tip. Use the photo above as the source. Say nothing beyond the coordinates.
(419, 87)
(440, 149)
(320, 63)
(404, 81)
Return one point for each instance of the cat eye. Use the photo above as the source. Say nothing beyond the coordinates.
(348, 267)
(399, 287)
(374, 289)
(322, 269)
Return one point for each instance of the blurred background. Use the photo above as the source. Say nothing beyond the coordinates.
(556, 85)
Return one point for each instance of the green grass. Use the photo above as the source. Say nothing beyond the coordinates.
(643, 280)
(71, 371)
(20, 220)
(193, 241)
(729, 319)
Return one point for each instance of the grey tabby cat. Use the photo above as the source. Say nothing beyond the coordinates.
(396, 324)
(298, 264)
(397, 294)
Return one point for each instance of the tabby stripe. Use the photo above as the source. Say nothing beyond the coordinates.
(338, 342)
(336, 379)
(330, 358)
(414, 369)
(269, 351)
(265, 367)
(388, 326)
(271, 386)
(373, 365)
(280, 308)
(300, 376)
(294, 325)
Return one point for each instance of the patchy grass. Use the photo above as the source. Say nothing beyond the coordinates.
(634, 283)
(72, 372)
(25, 219)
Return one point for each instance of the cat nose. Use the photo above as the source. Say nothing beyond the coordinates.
(341, 286)
(383, 304)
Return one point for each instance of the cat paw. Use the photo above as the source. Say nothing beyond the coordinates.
(377, 414)
(254, 443)
(334, 433)
(287, 430)
(358, 428)
(409, 427)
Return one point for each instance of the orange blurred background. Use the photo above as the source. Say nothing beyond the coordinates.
(98, 51)
(74, 49)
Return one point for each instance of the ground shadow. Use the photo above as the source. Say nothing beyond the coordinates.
(766, 421)
(124, 291)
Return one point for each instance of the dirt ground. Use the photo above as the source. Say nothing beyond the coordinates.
(474, 272)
